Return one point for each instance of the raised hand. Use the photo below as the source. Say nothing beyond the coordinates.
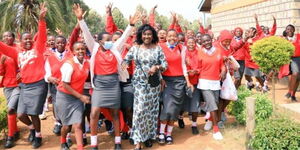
(153, 9)
(78, 11)
(108, 9)
(144, 19)
(173, 17)
(58, 31)
(43, 11)
(135, 18)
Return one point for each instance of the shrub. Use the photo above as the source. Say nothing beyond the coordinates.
(271, 53)
(3, 113)
(263, 106)
(276, 133)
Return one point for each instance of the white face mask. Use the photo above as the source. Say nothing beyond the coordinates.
(108, 45)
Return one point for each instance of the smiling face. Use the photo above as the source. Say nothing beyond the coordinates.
(290, 31)
(172, 37)
(60, 44)
(238, 33)
(8, 38)
(51, 41)
(147, 37)
(198, 38)
(79, 51)
(191, 44)
(190, 34)
(226, 43)
(162, 34)
(206, 41)
(26, 41)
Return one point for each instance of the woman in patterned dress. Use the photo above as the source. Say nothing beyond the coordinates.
(149, 59)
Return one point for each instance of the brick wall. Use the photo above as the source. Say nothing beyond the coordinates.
(285, 11)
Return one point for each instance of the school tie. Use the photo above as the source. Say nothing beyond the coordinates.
(61, 56)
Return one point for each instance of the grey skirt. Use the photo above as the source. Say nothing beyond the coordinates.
(211, 99)
(253, 72)
(193, 104)
(238, 74)
(173, 97)
(126, 95)
(32, 97)
(69, 109)
(12, 95)
(107, 92)
(53, 90)
(295, 65)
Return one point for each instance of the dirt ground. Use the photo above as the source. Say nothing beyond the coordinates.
(234, 135)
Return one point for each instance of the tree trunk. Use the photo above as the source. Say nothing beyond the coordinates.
(273, 90)
(250, 119)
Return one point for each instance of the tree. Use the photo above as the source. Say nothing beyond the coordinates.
(162, 20)
(141, 9)
(95, 22)
(270, 54)
(119, 19)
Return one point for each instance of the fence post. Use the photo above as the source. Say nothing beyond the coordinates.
(250, 118)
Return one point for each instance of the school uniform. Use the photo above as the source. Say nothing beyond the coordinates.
(238, 47)
(31, 63)
(295, 63)
(210, 65)
(192, 104)
(173, 94)
(70, 108)
(106, 69)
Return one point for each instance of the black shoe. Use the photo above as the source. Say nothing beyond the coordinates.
(293, 98)
(108, 125)
(148, 143)
(140, 148)
(162, 140)
(169, 140)
(125, 136)
(118, 147)
(64, 146)
(131, 141)
(9, 142)
(287, 95)
(181, 123)
(250, 87)
(37, 142)
(195, 130)
(57, 129)
(17, 136)
(85, 142)
(31, 136)
(69, 142)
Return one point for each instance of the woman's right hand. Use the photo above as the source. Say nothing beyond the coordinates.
(78, 11)
(124, 66)
(85, 99)
(190, 85)
(163, 85)
(153, 69)
(53, 80)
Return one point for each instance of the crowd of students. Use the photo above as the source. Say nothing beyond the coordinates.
(141, 80)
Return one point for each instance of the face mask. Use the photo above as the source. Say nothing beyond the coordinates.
(172, 45)
(107, 45)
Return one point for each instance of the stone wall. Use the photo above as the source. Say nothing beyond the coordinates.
(285, 11)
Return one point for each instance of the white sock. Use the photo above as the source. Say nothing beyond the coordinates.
(257, 84)
(207, 116)
(118, 140)
(38, 134)
(162, 128)
(68, 135)
(94, 140)
(31, 127)
(169, 130)
(84, 135)
(194, 124)
(250, 83)
(57, 123)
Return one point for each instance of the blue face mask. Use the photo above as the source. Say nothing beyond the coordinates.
(172, 45)
(108, 45)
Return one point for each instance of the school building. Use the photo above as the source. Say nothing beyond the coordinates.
(228, 14)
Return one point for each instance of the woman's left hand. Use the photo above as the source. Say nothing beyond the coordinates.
(153, 69)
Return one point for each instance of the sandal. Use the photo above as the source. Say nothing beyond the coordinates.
(169, 140)
(161, 138)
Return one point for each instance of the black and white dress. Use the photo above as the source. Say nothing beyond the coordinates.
(146, 98)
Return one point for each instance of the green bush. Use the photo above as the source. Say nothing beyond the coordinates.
(276, 133)
(3, 113)
(271, 53)
(263, 106)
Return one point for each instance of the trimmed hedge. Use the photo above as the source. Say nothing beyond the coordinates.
(3, 113)
(263, 106)
(276, 133)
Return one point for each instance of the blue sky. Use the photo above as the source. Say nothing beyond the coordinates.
(187, 8)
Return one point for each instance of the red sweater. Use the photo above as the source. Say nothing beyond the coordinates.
(210, 66)
(175, 27)
(225, 52)
(105, 63)
(31, 62)
(296, 44)
(55, 63)
(9, 69)
(78, 77)
(192, 59)
(110, 27)
(174, 60)
(238, 49)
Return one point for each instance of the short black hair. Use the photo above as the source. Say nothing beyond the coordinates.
(77, 42)
(290, 25)
(26, 32)
(12, 34)
(253, 28)
(100, 35)
(203, 35)
(62, 37)
(140, 32)
(118, 33)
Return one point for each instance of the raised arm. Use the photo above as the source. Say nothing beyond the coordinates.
(152, 16)
(258, 27)
(201, 28)
(172, 25)
(9, 51)
(118, 45)
(74, 36)
(274, 28)
(88, 38)
(110, 27)
(42, 30)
